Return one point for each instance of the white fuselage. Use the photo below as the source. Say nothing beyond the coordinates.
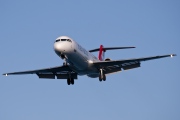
(79, 59)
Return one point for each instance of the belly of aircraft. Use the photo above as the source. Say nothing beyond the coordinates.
(80, 65)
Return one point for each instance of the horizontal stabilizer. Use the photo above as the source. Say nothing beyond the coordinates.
(110, 48)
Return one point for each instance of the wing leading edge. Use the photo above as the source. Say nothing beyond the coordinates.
(115, 66)
(61, 72)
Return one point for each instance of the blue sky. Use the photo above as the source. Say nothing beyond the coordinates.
(29, 28)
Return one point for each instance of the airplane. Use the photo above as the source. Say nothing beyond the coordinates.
(79, 61)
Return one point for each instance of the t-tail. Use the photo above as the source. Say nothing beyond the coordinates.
(101, 53)
(103, 49)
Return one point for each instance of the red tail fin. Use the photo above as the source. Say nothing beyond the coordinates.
(101, 53)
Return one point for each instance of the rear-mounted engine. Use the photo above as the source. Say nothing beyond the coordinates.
(107, 59)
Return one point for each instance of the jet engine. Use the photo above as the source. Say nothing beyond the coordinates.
(107, 59)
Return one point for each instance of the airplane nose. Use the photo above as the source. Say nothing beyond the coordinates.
(62, 47)
(57, 47)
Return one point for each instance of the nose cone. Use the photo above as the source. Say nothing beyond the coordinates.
(57, 47)
(63, 47)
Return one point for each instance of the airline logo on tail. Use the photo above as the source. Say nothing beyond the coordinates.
(101, 53)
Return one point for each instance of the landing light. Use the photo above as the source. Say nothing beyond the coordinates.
(6, 75)
(171, 55)
(90, 61)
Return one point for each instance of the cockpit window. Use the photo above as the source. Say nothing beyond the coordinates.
(69, 40)
(63, 39)
(66, 40)
(58, 40)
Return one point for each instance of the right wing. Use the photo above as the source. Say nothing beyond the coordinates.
(60, 71)
(115, 66)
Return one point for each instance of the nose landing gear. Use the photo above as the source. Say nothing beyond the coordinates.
(65, 63)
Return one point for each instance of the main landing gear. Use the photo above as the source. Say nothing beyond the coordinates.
(102, 76)
(70, 81)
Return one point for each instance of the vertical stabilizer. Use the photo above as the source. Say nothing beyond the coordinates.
(101, 53)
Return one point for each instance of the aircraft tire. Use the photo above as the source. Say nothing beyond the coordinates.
(64, 63)
(68, 81)
(104, 77)
(72, 81)
(100, 78)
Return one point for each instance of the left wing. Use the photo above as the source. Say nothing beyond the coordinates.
(60, 71)
(115, 66)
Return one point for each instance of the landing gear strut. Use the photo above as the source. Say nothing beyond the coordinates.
(102, 76)
(65, 63)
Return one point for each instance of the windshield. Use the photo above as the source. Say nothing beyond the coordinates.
(58, 40)
(63, 40)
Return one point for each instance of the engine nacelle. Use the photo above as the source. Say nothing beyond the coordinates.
(107, 59)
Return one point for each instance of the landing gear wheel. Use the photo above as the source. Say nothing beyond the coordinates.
(64, 63)
(104, 77)
(68, 81)
(72, 81)
(100, 79)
